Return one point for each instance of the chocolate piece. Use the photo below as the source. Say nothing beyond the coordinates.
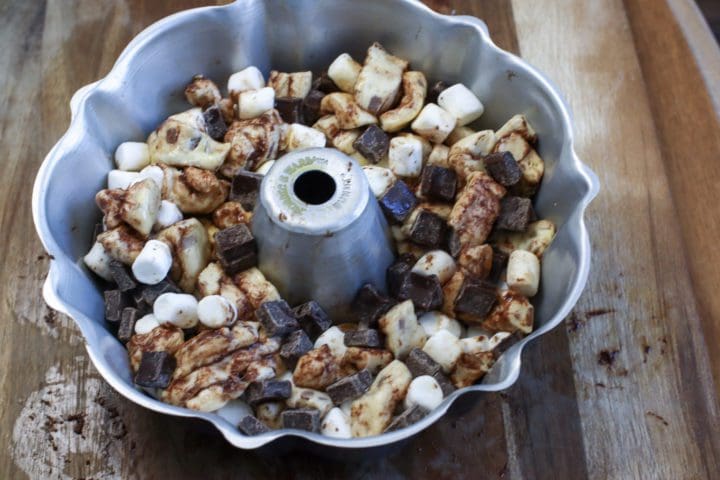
(236, 248)
(349, 387)
(515, 214)
(499, 260)
(397, 272)
(435, 91)
(438, 183)
(311, 106)
(155, 370)
(398, 202)
(475, 299)
(301, 419)
(369, 305)
(290, 109)
(324, 83)
(267, 391)
(277, 318)
(115, 301)
(214, 123)
(296, 345)
(453, 242)
(368, 337)
(407, 418)
(121, 276)
(250, 425)
(428, 230)
(424, 291)
(420, 363)
(373, 143)
(245, 189)
(150, 293)
(445, 384)
(503, 168)
(312, 318)
(127, 324)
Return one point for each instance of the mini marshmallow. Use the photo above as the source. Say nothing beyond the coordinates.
(265, 167)
(444, 348)
(476, 331)
(146, 324)
(179, 309)
(234, 411)
(433, 322)
(132, 156)
(405, 156)
(253, 103)
(334, 338)
(152, 172)
(425, 392)
(121, 179)
(459, 101)
(336, 424)
(153, 263)
(168, 214)
(98, 260)
(483, 342)
(248, 79)
(379, 178)
(436, 262)
(299, 136)
(216, 311)
(433, 123)
(523, 272)
(344, 72)
(439, 156)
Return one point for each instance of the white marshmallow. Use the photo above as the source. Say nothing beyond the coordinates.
(146, 324)
(152, 172)
(444, 348)
(344, 72)
(334, 338)
(436, 262)
(425, 392)
(483, 342)
(248, 79)
(476, 331)
(153, 263)
(265, 167)
(253, 103)
(336, 424)
(379, 178)
(234, 411)
(299, 136)
(433, 322)
(98, 260)
(405, 156)
(523, 272)
(132, 156)
(168, 214)
(433, 123)
(439, 156)
(179, 309)
(216, 311)
(459, 101)
(122, 179)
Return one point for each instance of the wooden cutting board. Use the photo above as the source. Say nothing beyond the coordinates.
(627, 388)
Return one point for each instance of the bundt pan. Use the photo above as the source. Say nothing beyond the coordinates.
(146, 85)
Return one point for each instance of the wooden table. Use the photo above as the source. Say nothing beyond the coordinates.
(627, 388)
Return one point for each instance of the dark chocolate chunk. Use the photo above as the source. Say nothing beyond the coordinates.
(245, 188)
(290, 109)
(435, 91)
(311, 106)
(250, 425)
(397, 272)
(475, 299)
(236, 248)
(515, 214)
(428, 230)
(150, 293)
(115, 301)
(369, 305)
(301, 419)
(267, 391)
(349, 387)
(453, 242)
(324, 83)
(126, 329)
(438, 183)
(312, 318)
(367, 337)
(373, 143)
(277, 318)
(420, 363)
(445, 384)
(296, 345)
(398, 202)
(407, 418)
(424, 291)
(121, 276)
(499, 260)
(215, 123)
(503, 168)
(155, 370)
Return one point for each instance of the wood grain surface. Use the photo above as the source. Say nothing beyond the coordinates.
(628, 388)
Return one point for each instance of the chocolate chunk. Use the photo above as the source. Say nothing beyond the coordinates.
(301, 419)
(515, 214)
(407, 418)
(349, 387)
(475, 299)
(312, 318)
(453, 242)
(311, 106)
(368, 337)
(267, 391)
(445, 384)
(127, 324)
(277, 318)
(121, 276)
(424, 291)
(115, 301)
(296, 345)
(290, 109)
(250, 425)
(236, 248)
(150, 293)
(215, 123)
(428, 230)
(245, 188)
(373, 143)
(369, 305)
(438, 183)
(324, 83)
(155, 370)
(503, 168)
(435, 91)
(397, 272)
(499, 260)
(420, 363)
(398, 202)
